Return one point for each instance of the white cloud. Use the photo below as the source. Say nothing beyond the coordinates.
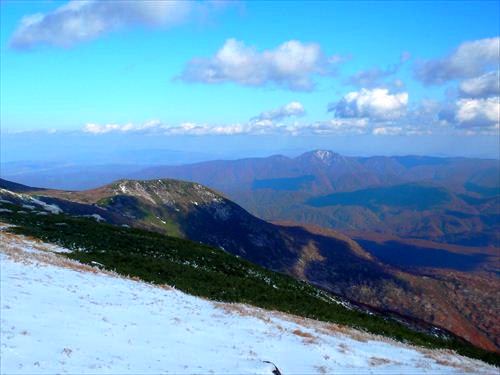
(253, 127)
(288, 110)
(378, 114)
(386, 130)
(400, 130)
(103, 129)
(291, 65)
(483, 86)
(83, 20)
(473, 113)
(469, 60)
(478, 112)
(376, 104)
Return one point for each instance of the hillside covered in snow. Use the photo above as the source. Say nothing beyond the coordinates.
(61, 316)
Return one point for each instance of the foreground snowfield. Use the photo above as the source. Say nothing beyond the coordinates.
(58, 316)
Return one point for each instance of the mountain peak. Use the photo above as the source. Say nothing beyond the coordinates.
(162, 191)
(323, 156)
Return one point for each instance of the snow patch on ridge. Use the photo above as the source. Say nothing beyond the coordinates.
(323, 154)
(28, 200)
(96, 217)
(52, 208)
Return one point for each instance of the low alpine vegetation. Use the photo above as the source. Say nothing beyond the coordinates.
(209, 272)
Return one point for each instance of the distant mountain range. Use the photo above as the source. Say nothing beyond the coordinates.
(450, 200)
(320, 256)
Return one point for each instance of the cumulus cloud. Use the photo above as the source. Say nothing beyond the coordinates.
(83, 20)
(486, 85)
(378, 114)
(470, 59)
(375, 104)
(473, 113)
(292, 65)
(156, 127)
(381, 113)
(288, 110)
(253, 127)
(103, 129)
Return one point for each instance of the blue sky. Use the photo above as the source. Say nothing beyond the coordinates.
(141, 70)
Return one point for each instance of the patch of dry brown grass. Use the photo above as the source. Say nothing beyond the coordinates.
(307, 337)
(300, 333)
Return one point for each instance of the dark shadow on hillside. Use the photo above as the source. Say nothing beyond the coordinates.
(404, 255)
(412, 196)
(284, 184)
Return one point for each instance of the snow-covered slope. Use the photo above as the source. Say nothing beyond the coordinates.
(59, 316)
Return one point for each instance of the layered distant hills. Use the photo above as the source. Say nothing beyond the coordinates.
(425, 230)
(320, 256)
(449, 200)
